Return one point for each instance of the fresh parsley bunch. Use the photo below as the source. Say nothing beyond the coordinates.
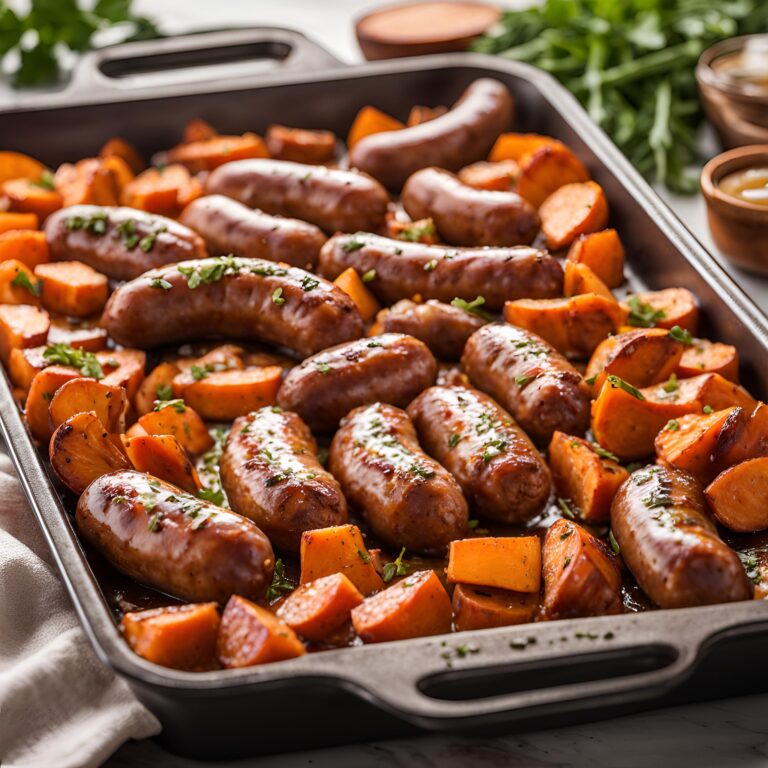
(631, 64)
(50, 25)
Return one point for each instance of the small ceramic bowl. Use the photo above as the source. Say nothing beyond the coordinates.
(739, 227)
(737, 109)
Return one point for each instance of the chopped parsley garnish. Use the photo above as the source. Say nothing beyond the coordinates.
(363, 555)
(643, 315)
(454, 440)
(614, 544)
(681, 335)
(210, 270)
(159, 282)
(523, 381)
(417, 469)
(369, 276)
(352, 245)
(178, 405)
(309, 283)
(280, 583)
(672, 425)
(373, 344)
(751, 566)
(565, 534)
(430, 265)
(154, 523)
(164, 392)
(618, 383)
(148, 241)
(473, 307)
(603, 454)
(324, 368)
(565, 508)
(96, 224)
(671, 384)
(22, 280)
(708, 409)
(396, 568)
(214, 495)
(413, 233)
(86, 362)
(591, 380)
(46, 181)
(277, 297)
(472, 524)
(199, 372)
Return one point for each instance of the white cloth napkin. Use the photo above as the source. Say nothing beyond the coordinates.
(59, 706)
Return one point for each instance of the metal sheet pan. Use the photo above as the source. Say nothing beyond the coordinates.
(541, 674)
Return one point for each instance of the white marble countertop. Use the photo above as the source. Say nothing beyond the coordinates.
(732, 732)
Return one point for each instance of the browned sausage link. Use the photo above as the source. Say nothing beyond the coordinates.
(122, 243)
(406, 497)
(501, 473)
(390, 368)
(270, 472)
(172, 541)
(443, 328)
(231, 227)
(402, 269)
(453, 140)
(235, 298)
(529, 378)
(334, 200)
(464, 215)
(668, 540)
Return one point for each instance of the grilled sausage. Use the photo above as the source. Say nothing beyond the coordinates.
(172, 541)
(670, 544)
(500, 472)
(121, 243)
(464, 215)
(390, 368)
(271, 474)
(453, 140)
(236, 298)
(403, 269)
(334, 200)
(442, 327)
(230, 227)
(406, 497)
(529, 378)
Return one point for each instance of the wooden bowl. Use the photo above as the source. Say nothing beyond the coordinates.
(739, 228)
(416, 29)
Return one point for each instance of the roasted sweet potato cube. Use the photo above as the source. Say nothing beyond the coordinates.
(163, 191)
(210, 153)
(72, 288)
(123, 368)
(162, 456)
(25, 364)
(500, 176)
(117, 147)
(749, 441)
(737, 496)
(506, 562)
(16, 165)
(579, 279)
(43, 387)
(10, 221)
(18, 284)
(25, 245)
(79, 334)
(603, 253)
(546, 170)
(516, 146)
(21, 326)
(85, 394)
(486, 607)
(705, 356)
(572, 210)
(251, 635)
(674, 306)
(178, 636)
(157, 386)
(349, 281)
(368, 121)
(25, 196)
(417, 606)
(176, 418)
(299, 145)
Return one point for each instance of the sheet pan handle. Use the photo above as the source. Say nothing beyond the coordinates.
(568, 666)
(231, 55)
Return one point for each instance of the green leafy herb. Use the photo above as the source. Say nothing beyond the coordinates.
(565, 508)
(324, 368)
(22, 280)
(473, 307)
(369, 276)
(159, 282)
(396, 568)
(363, 555)
(154, 523)
(277, 297)
(163, 392)
(96, 223)
(643, 315)
(214, 495)
(212, 270)
(352, 245)
(373, 344)
(309, 283)
(46, 180)
(603, 454)
(591, 380)
(472, 524)
(751, 566)
(681, 335)
(431, 265)
(417, 469)
(614, 544)
(454, 440)
(86, 362)
(178, 405)
(523, 381)
(671, 384)
(708, 409)
(280, 583)
(618, 383)
(672, 425)
(414, 233)
(199, 372)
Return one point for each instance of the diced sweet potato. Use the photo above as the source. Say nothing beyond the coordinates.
(338, 549)
(506, 562)
(123, 368)
(25, 364)
(579, 278)
(486, 607)
(21, 326)
(581, 575)
(573, 210)
(420, 231)
(500, 176)
(162, 456)
(117, 147)
(516, 146)
(165, 191)
(710, 390)
(81, 451)
(43, 387)
(603, 253)
(135, 430)
(692, 442)
(25, 245)
(545, 170)
(198, 130)
(181, 421)
(642, 357)
(210, 153)
(318, 608)
(72, 288)
(370, 120)
(417, 606)
(677, 305)
(349, 282)
(299, 145)
(17, 283)
(80, 334)
(709, 357)
(420, 114)
(737, 496)
(585, 478)
(90, 181)
(574, 326)
(251, 635)
(225, 395)
(749, 441)
(157, 386)
(10, 221)
(179, 636)
(26, 196)
(86, 394)
(15, 165)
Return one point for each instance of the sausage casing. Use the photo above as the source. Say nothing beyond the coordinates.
(530, 379)
(669, 541)
(121, 243)
(271, 474)
(402, 269)
(172, 541)
(442, 327)
(231, 227)
(235, 298)
(464, 215)
(406, 497)
(499, 470)
(332, 199)
(457, 138)
(390, 368)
